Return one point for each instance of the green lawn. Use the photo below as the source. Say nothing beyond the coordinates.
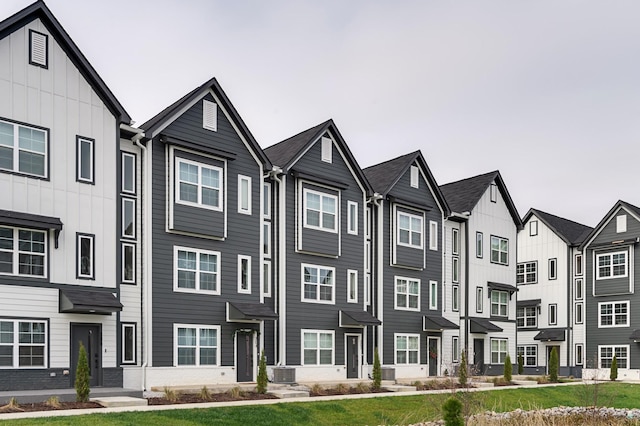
(373, 411)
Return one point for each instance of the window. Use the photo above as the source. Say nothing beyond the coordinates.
(479, 244)
(128, 173)
(128, 343)
(266, 278)
(455, 298)
(527, 273)
(499, 303)
(317, 347)
(479, 300)
(39, 49)
(327, 148)
(455, 349)
(407, 348)
(318, 284)
(498, 351)
(352, 217)
(244, 274)
(578, 313)
(352, 286)
(244, 194)
(128, 218)
(529, 355)
(621, 223)
(22, 252)
(407, 294)
(455, 241)
(613, 314)
(196, 344)
(409, 230)
(23, 149)
(494, 193)
(455, 269)
(196, 270)
(266, 200)
(612, 265)
(128, 263)
(579, 289)
(606, 353)
(367, 223)
(433, 235)
(499, 250)
(86, 160)
(199, 185)
(578, 267)
(579, 354)
(23, 343)
(553, 314)
(533, 228)
(320, 211)
(415, 175)
(209, 115)
(527, 316)
(433, 295)
(266, 239)
(553, 269)
(85, 249)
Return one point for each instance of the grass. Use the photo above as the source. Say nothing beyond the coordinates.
(373, 411)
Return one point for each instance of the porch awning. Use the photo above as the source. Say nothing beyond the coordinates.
(434, 323)
(528, 303)
(249, 312)
(503, 287)
(73, 301)
(482, 326)
(550, 335)
(9, 217)
(357, 319)
(635, 335)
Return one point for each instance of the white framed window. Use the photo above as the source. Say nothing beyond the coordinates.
(318, 347)
(479, 244)
(455, 298)
(320, 211)
(553, 314)
(367, 287)
(611, 265)
(578, 314)
(606, 353)
(196, 344)
(613, 314)
(23, 149)
(621, 223)
(455, 349)
(128, 165)
(199, 185)
(266, 200)
(196, 270)
(266, 239)
(579, 290)
(244, 274)
(578, 264)
(499, 250)
(409, 232)
(128, 343)
(352, 286)
(455, 269)
(553, 269)
(327, 149)
(23, 252)
(23, 343)
(128, 263)
(479, 300)
(433, 235)
(86, 255)
(209, 115)
(533, 228)
(367, 222)
(455, 241)
(527, 273)
(128, 218)
(529, 355)
(244, 194)
(527, 316)
(415, 177)
(407, 348)
(499, 303)
(38, 49)
(318, 284)
(498, 350)
(494, 193)
(266, 278)
(85, 159)
(407, 295)
(579, 354)
(433, 295)
(352, 217)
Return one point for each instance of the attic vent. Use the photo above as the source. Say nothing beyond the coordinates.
(209, 115)
(38, 54)
(327, 144)
(414, 177)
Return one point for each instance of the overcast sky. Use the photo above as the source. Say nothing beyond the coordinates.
(548, 92)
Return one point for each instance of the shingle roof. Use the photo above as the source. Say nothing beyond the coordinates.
(384, 175)
(464, 194)
(282, 153)
(631, 207)
(571, 232)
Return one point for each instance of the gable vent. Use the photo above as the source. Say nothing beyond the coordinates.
(38, 49)
(209, 115)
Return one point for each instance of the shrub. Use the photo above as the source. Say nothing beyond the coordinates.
(262, 374)
(520, 364)
(341, 388)
(317, 389)
(553, 366)
(452, 408)
(235, 392)
(462, 371)
(170, 394)
(205, 394)
(377, 371)
(53, 402)
(508, 369)
(82, 376)
(363, 387)
(614, 369)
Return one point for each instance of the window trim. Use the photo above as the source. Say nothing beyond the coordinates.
(526, 357)
(16, 149)
(479, 244)
(455, 298)
(266, 239)
(479, 300)
(351, 273)
(123, 170)
(133, 326)
(526, 314)
(15, 344)
(326, 149)
(455, 241)
(415, 177)
(553, 268)
(578, 295)
(433, 235)
(241, 276)
(493, 193)
(132, 202)
(614, 347)
(91, 237)
(199, 165)
(552, 318)
(614, 323)
(92, 158)
(133, 247)
(579, 319)
(336, 211)
(455, 269)
(411, 232)
(499, 251)
(407, 350)
(579, 360)
(578, 265)
(304, 331)
(417, 296)
(318, 284)
(244, 197)
(611, 265)
(533, 228)
(197, 327)
(433, 290)
(524, 274)
(498, 303)
(499, 352)
(455, 349)
(266, 200)
(44, 65)
(266, 284)
(352, 217)
(15, 253)
(198, 252)
(210, 112)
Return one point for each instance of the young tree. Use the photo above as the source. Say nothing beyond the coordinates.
(82, 376)
(377, 370)
(520, 364)
(553, 365)
(261, 386)
(508, 369)
(463, 370)
(614, 369)
(452, 408)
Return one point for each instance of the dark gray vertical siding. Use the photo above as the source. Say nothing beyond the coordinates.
(243, 233)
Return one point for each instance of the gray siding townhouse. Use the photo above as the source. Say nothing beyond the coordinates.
(612, 322)
(407, 214)
(59, 211)
(205, 310)
(488, 222)
(321, 298)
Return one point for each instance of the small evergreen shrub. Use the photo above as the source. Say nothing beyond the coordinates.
(508, 369)
(262, 374)
(377, 371)
(462, 371)
(614, 369)
(520, 364)
(82, 376)
(452, 415)
(553, 366)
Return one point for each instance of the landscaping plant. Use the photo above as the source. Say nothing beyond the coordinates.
(553, 366)
(508, 369)
(262, 374)
(462, 371)
(613, 375)
(520, 364)
(82, 376)
(452, 409)
(377, 371)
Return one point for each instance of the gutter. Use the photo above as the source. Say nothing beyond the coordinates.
(280, 302)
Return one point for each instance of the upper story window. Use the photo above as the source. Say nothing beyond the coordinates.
(553, 314)
(613, 314)
(621, 223)
(611, 265)
(266, 200)
(199, 185)
(533, 228)
(320, 211)
(86, 160)
(23, 149)
(318, 284)
(494, 193)
(128, 173)
(38, 49)
(499, 303)
(499, 250)
(244, 194)
(479, 244)
(433, 235)
(23, 252)
(415, 177)
(352, 286)
(327, 148)
(527, 273)
(455, 298)
(23, 344)
(128, 217)
(455, 241)
(527, 316)
(209, 115)
(579, 289)
(196, 270)
(455, 269)
(433, 295)
(553, 268)
(409, 230)
(479, 300)
(352, 217)
(244, 274)
(578, 264)
(407, 294)
(86, 256)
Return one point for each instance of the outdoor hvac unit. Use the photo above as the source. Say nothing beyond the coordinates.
(388, 373)
(284, 375)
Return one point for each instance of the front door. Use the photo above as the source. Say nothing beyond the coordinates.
(244, 357)
(549, 348)
(478, 356)
(434, 356)
(353, 356)
(90, 337)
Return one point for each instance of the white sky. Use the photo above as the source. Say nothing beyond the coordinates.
(546, 91)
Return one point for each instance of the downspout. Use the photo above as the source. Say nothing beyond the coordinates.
(570, 313)
(379, 311)
(280, 256)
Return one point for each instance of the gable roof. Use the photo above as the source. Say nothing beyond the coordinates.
(385, 175)
(286, 153)
(39, 10)
(619, 204)
(157, 123)
(463, 195)
(572, 233)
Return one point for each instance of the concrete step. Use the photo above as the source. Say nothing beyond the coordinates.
(120, 401)
(400, 388)
(288, 393)
(525, 382)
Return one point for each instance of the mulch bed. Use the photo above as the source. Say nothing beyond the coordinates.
(193, 398)
(43, 406)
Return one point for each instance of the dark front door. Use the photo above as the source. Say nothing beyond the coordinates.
(353, 363)
(478, 356)
(433, 356)
(244, 357)
(90, 337)
(549, 348)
